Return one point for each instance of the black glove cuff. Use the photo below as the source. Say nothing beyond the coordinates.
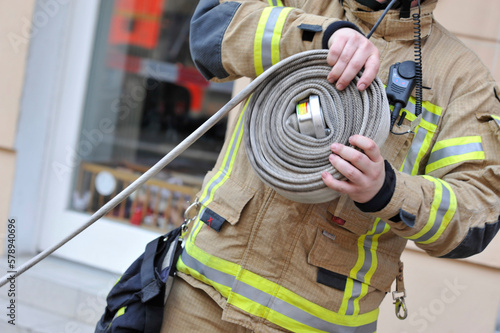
(384, 195)
(330, 30)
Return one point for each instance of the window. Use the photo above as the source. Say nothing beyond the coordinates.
(144, 97)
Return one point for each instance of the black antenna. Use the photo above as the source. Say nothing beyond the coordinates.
(389, 6)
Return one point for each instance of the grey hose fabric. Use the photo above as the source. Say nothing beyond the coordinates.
(291, 162)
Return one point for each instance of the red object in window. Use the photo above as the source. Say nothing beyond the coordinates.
(136, 22)
(136, 218)
(197, 94)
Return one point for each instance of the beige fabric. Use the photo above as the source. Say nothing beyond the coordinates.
(191, 310)
(285, 242)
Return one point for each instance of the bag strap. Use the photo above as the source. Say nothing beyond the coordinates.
(149, 286)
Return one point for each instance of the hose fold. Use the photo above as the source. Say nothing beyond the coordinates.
(291, 162)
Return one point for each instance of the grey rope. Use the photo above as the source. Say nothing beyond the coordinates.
(271, 72)
(289, 161)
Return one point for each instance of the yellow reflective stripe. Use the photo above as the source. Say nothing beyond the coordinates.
(182, 267)
(364, 292)
(257, 45)
(268, 36)
(266, 299)
(224, 171)
(290, 324)
(276, 3)
(275, 45)
(297, 301)
(361, 274)
(443, 208)
(448, 216)
(456, 150)
(117, 281)
(120, 312)
(423, 135)
(497, 119)
(348, 291)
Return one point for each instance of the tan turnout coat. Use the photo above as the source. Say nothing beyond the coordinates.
(264, 264)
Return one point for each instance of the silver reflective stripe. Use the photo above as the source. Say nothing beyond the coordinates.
(430, 117)
(444, 205)
(267, 38)
(211, 273)
(356, 292)
(270, 301)
(411, 158)
(367, 264)
(455, 151)
(274, 2)
(295, 313)
(426, 114)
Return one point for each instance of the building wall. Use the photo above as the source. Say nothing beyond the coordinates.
(477, 24)
(455, 295)
(443, 295)
(15, 22)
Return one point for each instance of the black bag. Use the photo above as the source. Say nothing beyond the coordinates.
(135, 303)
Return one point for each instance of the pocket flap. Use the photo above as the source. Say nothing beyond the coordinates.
(230, 199)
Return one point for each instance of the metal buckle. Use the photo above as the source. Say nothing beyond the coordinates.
(400, 305)
(189, 215)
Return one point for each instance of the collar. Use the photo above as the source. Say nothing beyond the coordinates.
(391, 28)
(373, 4)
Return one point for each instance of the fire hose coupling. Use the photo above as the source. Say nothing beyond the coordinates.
(310, 118)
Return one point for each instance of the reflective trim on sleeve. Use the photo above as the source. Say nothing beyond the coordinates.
(444, 206)
(419, 145)
(275, 3)
(362, 272)
(452, 151)
(268, 36)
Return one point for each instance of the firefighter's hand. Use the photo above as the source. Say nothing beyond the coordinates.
(364, 170)
(349, 51)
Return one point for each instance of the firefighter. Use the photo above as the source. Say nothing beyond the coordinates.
(255, 261)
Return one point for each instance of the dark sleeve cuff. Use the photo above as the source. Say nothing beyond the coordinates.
(384, 195)
(330, 30)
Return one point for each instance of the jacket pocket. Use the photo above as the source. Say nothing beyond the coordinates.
(334, 251)
(338, 251)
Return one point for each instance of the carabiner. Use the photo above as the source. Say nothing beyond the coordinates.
(400, 306)
(188, 214)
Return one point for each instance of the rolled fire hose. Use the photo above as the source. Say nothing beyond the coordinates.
(342, 127)
(285, 158)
